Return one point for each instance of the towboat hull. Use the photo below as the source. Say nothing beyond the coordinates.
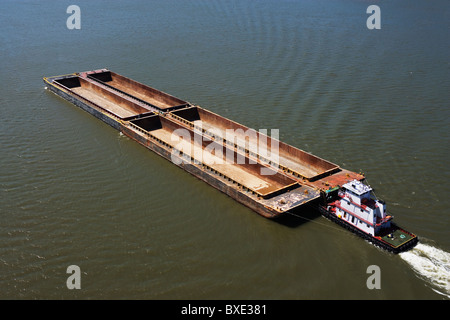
(400, 241)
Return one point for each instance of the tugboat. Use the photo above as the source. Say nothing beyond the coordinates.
(355, 207)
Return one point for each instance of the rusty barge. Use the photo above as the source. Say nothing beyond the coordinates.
(261, 172)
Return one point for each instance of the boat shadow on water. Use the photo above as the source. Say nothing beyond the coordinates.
(299, 216)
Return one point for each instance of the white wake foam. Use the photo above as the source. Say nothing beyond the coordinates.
(431, 263)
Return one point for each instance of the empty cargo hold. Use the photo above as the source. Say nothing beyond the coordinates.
(102, 97)
(236, 167)
(289, 158)
(159, 99)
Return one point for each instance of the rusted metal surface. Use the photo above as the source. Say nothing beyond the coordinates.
(336, 179)
(271, 207)
(219, 157)
(105, 98)
(290, 159)
(159, 99)
(233, 165)
(289, 200)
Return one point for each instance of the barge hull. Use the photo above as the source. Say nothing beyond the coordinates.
(288, 196)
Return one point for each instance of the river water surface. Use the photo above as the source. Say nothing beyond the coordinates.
(73, 191)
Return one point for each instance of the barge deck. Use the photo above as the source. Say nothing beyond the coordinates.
(240, 164)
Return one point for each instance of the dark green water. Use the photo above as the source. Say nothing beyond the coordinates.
(73, 191)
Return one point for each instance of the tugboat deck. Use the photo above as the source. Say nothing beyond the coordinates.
(397, 237)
